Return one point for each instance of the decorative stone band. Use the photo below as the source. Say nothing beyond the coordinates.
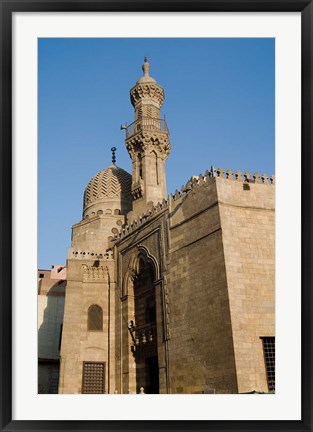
(193, 184)
(145, 140)
(137, 190)
(90, 255)
(147, 91)
(93, 273)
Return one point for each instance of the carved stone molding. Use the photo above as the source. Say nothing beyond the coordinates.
(143, 141)
(167, 313)
(137, 190)
(93, 273)
(147, 91)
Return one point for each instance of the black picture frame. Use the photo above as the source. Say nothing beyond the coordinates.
(7, 8)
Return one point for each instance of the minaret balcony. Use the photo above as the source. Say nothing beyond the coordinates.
(146, 124)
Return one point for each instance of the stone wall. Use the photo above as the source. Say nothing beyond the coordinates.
(216, 268)
(201, 356)
(211, 247)
(93, 235)
(90, 282)
(248, 231)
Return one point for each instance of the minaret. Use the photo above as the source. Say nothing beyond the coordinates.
(148, 143)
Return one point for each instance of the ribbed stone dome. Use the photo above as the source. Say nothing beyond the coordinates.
(111, 185)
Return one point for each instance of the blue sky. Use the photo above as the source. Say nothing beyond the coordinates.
(219, 107)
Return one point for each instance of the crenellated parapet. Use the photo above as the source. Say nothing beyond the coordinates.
(172, 201)
(142, 219)
(243, 177)
(193, 184)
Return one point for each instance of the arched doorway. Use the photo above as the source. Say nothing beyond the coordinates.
(145, 328)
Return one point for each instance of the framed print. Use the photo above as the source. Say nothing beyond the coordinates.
(163, 306)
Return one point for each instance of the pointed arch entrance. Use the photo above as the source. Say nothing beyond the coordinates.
(145, 340)
(142, 310)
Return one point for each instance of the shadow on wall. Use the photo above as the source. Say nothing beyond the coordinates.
(50, 319)
(202, 325)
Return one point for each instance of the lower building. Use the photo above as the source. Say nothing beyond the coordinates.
(51, 294)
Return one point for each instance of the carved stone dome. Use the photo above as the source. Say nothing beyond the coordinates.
(108, 192)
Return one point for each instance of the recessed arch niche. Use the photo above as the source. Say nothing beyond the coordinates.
(140, 309)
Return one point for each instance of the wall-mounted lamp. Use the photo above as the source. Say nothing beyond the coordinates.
(140, 336)
(131, 326)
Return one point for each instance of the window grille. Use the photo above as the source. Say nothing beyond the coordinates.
(269, 357)
(93, 378)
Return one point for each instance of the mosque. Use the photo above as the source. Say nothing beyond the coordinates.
(169, 294)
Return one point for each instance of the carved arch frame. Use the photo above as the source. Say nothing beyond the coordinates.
(133, 268)
(127, 298)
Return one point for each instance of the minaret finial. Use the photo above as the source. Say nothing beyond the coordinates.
(145, 66)
(113, 150)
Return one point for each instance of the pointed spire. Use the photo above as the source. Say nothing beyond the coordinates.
(145, 67)
(113, 150)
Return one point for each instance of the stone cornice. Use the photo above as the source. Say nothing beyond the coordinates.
(194, 184)
(157, 141)
(147, 91)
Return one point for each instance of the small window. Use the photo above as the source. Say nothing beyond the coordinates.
(93, 377)
(269, 358)
(140, 165)
(95, 318)
(41, 275)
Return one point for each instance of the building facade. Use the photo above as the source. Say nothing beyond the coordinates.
(169, 294)
(51, 296)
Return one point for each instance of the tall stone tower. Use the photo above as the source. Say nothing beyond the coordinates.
(148, 143)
